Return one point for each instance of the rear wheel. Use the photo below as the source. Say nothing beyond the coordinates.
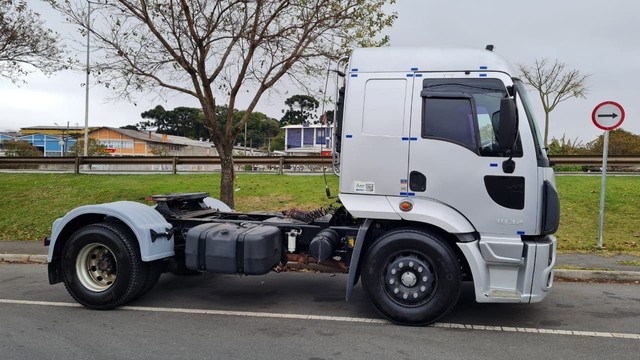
(154, 270)
(411, 277)
(101, 266)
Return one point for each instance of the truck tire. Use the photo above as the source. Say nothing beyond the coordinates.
(153, 272)
(101, 266)
(411, 277)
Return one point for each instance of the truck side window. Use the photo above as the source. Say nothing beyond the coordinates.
(480, 132)
(384, 107)
(450, 119)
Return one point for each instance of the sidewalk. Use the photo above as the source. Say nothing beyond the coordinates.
(597, 267)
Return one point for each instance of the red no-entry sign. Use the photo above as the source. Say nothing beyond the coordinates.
(608, 115)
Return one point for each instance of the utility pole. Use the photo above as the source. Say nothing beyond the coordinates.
(88, 70)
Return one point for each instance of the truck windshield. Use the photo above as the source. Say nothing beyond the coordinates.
(533, 123)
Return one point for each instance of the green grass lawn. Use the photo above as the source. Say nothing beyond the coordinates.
(30, 202)
(580, 206)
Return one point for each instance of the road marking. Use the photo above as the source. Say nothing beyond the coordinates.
(336, 318)
(42, 303)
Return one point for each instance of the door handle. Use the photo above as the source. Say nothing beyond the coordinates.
(417, 181)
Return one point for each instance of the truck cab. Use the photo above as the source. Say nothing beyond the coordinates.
(420, 144)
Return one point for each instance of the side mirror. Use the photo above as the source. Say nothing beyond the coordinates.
(508, 123)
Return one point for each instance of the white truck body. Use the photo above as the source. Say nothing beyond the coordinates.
(383, 142)
(442, 179)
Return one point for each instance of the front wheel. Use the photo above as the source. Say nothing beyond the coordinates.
(101, 266)
(411, 277)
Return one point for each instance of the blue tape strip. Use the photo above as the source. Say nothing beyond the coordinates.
(409, 75)
(405, 139)
(418, 75)
(414, 69)
(483, 67)
(483, 75)
(354, 69)
(411, 194)
(520, 232)
(354, 75)
(413, 139)
(493, 165)
(403, 194)
(348, 136)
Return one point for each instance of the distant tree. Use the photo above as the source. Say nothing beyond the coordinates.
(277, 143)
(181, 121)
(259, 129)
(329, 115)
(555, 84)
(130, 127)
(564, 146)
(301, 109)
(621, 142)
(25, 41)
(21, 149)
(189, 122)
(94, 148)
(157, 119)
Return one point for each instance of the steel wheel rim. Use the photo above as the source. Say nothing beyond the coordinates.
(409, 279)
(96, 267)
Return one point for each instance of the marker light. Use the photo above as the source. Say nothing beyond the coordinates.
(406, 205)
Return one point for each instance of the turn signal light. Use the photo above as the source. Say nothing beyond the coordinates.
(406, 205)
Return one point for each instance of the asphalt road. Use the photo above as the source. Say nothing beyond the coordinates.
(304, 316)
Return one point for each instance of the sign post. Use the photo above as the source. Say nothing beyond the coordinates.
(607, 115)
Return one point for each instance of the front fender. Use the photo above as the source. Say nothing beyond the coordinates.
(140, 218)
(432, 212)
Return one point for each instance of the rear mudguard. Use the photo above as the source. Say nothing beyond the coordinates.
(152, 231)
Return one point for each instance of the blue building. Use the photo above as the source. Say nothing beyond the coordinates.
(4, 138)
(308, 139)
(50, 145)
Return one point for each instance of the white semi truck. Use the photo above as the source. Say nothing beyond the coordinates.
(443, 179)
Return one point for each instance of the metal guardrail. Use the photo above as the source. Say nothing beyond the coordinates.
(279, 161)
(174, 161)
(596, 160)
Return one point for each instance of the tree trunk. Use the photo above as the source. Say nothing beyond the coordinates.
(546, 130)
(227, 177)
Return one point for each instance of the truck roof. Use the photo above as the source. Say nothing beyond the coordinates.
(410, 59)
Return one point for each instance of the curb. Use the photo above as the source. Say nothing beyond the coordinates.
(584, 275)
(23, 258)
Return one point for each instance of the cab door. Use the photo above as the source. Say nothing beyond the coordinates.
(375, 146)
(454, 157)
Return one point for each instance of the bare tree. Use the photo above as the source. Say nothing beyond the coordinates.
(25, 42)
(555, 84)
(216, 50)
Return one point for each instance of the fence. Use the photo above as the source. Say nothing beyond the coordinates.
(276, 163)
(167, 163)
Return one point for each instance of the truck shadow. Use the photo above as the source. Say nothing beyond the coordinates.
(314, 294)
